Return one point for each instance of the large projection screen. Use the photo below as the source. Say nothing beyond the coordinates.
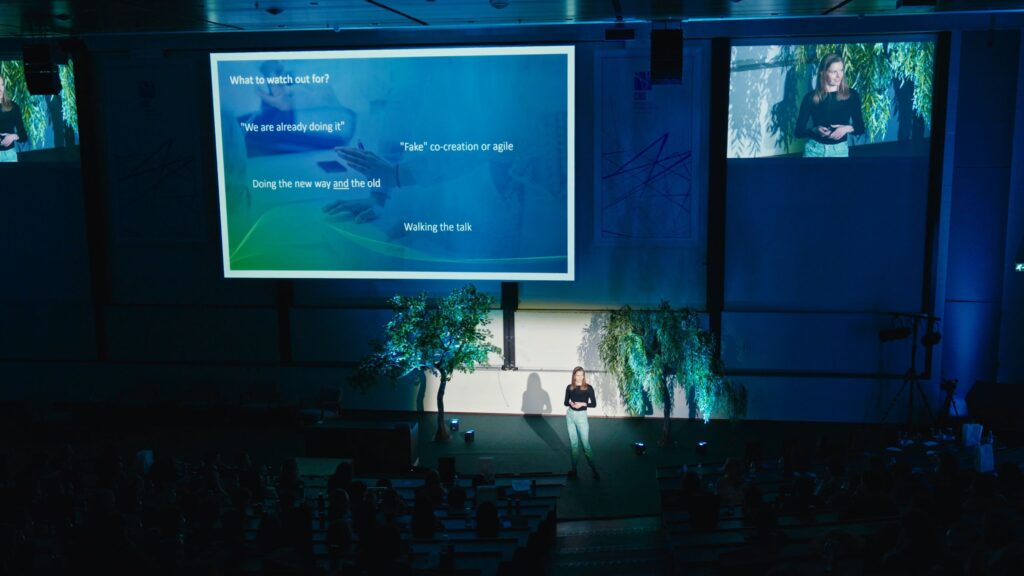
(453, 163)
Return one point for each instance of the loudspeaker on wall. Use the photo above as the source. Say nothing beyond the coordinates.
(666, 56)
(41, 74)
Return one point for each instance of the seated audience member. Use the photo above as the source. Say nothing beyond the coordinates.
(270, 533)
(341, 479)
(869, 500)
(288, 483)
(730, 486)
(704, 508)
(381, 552)
(339, 505)
(434, 489)
(766, 528)
(391, 504)
(691, 486)
(983, 496)
(364, 511)
(424, 524)
(297, 522)
(753, 499)
(800, 501)
(1011, 485)
(339, 528)
(488, 525)
(833, 481)
(916, 551)
(250, 477)
(457, 501)
(164, 471)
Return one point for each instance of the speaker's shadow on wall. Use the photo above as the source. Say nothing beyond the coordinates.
(536, 403)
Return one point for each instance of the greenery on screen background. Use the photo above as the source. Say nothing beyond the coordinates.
(33, 108)
(874, 70)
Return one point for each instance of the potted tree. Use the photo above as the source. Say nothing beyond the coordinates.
(443, 338)
(650, 352)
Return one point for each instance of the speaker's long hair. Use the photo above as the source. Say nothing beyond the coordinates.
(820, 93)
(572, 381)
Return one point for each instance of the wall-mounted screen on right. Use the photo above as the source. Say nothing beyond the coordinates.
(831, 99)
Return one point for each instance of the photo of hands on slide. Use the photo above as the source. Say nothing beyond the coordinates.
(440, 163)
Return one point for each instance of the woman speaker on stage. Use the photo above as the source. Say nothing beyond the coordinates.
(579, 395)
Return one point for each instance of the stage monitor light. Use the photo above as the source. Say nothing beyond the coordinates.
(701, 448)
(469, 435)
(453, 424)
(893, 334)
(640, 448)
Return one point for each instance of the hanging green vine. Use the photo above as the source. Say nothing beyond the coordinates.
(69, 100)
(650, 352)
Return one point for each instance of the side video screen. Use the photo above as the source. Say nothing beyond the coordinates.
(831, 100)
(37, 128)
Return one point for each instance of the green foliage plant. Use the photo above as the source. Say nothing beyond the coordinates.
(650, 352)
(443, 338)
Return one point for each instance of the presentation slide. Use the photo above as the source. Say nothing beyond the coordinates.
(831, 100)
(37, 128)
(416, 163)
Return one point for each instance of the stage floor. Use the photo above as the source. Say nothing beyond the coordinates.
(628, 484)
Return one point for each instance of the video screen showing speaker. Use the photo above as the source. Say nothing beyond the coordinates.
(38, 109)
(414, 163)
(831, 99)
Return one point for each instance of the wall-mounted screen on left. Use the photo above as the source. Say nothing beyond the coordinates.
(446, 163)
(37, 128)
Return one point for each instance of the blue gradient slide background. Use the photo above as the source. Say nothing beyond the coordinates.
(517, 203)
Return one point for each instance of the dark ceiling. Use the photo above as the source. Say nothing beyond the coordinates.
(35, 18)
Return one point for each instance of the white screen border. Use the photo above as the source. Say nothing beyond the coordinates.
(568, 51)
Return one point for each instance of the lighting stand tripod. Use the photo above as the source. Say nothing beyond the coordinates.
(912, 379)
(949, 387)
